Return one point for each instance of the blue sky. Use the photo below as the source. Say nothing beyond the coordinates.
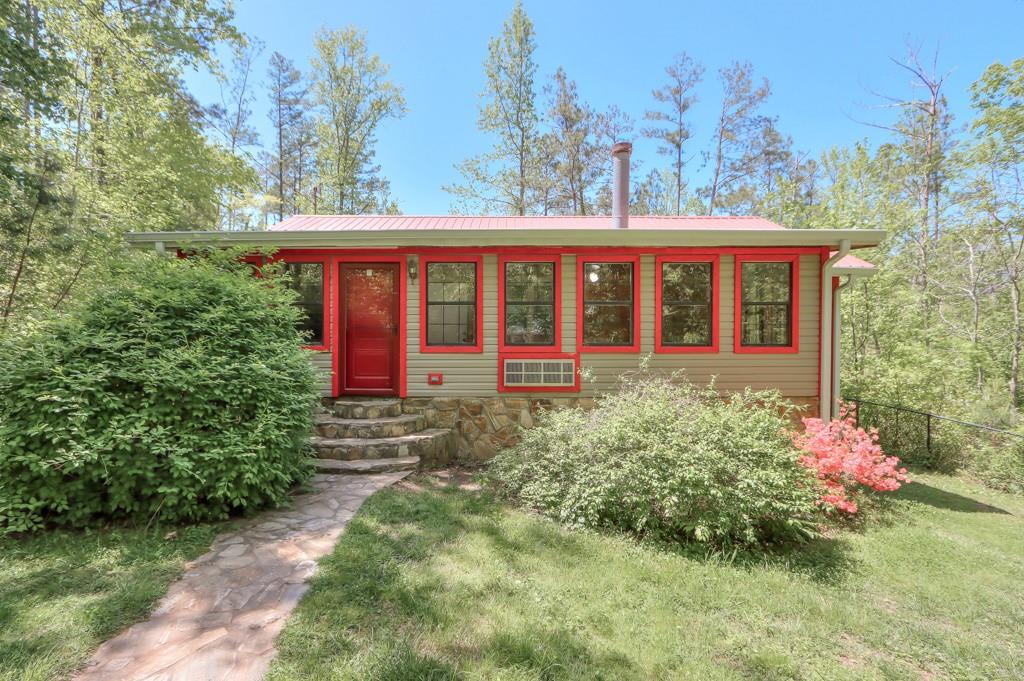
(823, 60)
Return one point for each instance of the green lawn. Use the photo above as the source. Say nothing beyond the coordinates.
(63, 593)
(448, 584)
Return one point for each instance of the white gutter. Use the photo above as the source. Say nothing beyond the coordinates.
(827, 308)
(532, 238)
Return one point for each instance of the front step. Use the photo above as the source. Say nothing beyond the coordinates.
(431, 445)
(365, 466)
(366, 408)
(335, 427)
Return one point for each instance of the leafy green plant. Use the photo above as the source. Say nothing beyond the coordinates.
(662, 458)
(177, 389)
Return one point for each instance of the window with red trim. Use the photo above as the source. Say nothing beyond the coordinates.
(608, 318)
(308, 279)
(767, 302)
(529, 299)
(686, 304)
(451, 302)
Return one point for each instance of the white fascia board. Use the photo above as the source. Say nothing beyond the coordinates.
(650, 238)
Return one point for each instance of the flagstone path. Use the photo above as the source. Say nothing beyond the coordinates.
(219, 621)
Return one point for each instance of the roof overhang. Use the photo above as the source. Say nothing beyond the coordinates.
(422, 238)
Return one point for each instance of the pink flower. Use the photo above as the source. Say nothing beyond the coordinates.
(846, 459)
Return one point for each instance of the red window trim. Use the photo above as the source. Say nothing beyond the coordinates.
(716, 285)
(502, 356)
(794, 335)
(608, 257)
(439, 258)
(529, 256)
(328, 287)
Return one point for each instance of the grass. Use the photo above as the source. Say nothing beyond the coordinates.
(62, 593)
(440, 583)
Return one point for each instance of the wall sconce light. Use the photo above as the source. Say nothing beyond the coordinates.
(412, 266)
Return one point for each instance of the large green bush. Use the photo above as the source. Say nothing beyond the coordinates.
(177, 389)
(662, 458)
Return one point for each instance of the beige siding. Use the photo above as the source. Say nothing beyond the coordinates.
(466, 374)
(322, 363)
(476, 374)
(796, 375)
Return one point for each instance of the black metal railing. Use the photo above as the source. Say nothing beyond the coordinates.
(930, 440)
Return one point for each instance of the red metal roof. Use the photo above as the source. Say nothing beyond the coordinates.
(346, 223)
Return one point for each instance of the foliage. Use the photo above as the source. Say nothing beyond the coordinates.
(176, 390)
(670, 461)
(352, 95)
(998, 462)
(847, 459)
(671, 122)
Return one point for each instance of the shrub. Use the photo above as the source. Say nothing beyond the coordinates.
(175, 389)
(847, 460)
(998, 462)
(662, 458)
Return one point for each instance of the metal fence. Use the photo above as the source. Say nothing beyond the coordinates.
(931, 440)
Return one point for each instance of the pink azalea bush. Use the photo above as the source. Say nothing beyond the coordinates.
(847, 459)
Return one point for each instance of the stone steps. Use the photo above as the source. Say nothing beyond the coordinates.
(374, 408)
(367, 466)
(425, 444)
(373, 435)
(330, 426)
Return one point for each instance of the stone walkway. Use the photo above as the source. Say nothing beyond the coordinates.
(219, 621)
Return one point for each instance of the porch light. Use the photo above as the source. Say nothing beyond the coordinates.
(412, 266)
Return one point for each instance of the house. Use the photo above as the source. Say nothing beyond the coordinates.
(475, 321)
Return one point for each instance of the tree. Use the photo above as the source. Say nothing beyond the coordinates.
(504, 179)
(672, 127)
(998, 152)
(578, 159)
(353, 95)
(737, 131)
(287, 115)
(233, 114)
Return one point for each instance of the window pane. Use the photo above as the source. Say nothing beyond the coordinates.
(307, 278)
(608, 281)
(529, 324)
(529, 282)
(607, 303)
(766, 282)
(451, 282)
(685, 324)
(766, 324)
(451, 303)
(607, 324)
(529, 303)
(686, 282)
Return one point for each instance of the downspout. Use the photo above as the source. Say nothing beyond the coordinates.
(825, 390)
(836, 393)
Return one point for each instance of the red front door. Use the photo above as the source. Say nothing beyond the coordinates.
(369, 321)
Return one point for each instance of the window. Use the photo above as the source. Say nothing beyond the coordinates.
(451, 305)
(607, 317)
(686, 302)
(767, 302)
(307, 278)
(529, 305)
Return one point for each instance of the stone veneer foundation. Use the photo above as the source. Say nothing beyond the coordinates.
(483, 425)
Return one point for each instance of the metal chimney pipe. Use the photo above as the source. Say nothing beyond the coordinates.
(620, 184)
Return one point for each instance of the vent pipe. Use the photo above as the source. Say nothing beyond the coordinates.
(620, 184)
